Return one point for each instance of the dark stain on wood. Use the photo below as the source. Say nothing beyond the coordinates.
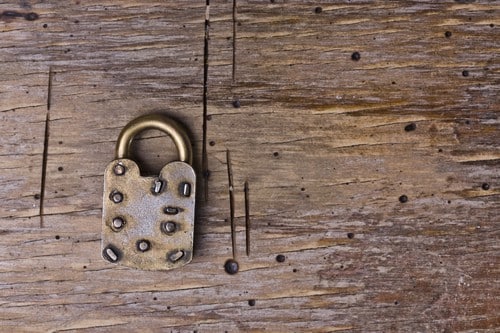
(8, 15)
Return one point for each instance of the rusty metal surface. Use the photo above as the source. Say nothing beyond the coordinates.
(145, 213)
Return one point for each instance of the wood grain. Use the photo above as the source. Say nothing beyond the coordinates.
(327, 144)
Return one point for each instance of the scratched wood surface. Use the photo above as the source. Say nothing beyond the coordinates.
(367, 131)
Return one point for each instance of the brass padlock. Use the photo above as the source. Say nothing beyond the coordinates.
(148, 222)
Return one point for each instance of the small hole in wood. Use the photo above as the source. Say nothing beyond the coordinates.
(410, 127)
(31, 16)
(356, 56)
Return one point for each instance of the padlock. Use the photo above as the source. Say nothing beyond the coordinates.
(148, 222)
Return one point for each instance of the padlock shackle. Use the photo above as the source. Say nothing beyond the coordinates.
(158, 122)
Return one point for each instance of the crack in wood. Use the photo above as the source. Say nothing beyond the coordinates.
(234, 40)
(45, 148)
(49, 89)
(247, 218)
(231, 202)
(44, 168)
(204, 157)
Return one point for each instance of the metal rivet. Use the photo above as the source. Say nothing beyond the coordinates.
(157, 186)
(171, 210)
(116, 197)
(119, 169)
(118, 223)
(185, 189)
(111, 254)
(169, 227)
(175, 255)
(143, 245)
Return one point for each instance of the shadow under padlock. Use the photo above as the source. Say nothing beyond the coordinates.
(148, 221)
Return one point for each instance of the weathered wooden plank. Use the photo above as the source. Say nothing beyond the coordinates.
(22, 114)
(327, 145)
(331, 156)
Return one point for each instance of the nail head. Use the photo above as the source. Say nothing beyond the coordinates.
(116, 197)
(231, 266)
(143, 245)
(185, 189)
(118, 223)
(175, 255)
(111, 254)
(169, 227)
(119, 169)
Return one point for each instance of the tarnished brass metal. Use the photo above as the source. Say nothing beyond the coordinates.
(148, 222)
(159, 122)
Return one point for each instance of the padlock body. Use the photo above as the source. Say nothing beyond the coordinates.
(148, 222)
